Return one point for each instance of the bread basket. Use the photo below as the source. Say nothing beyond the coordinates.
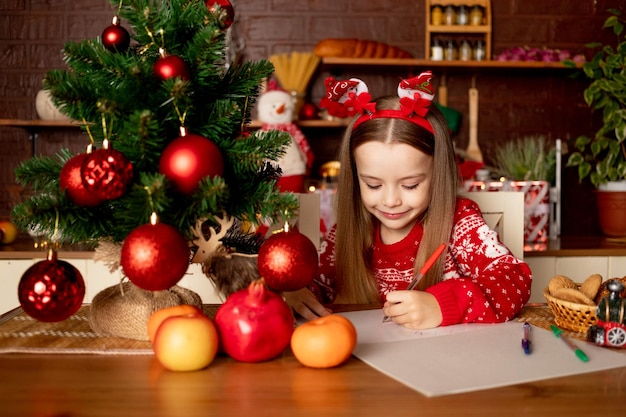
(571, 316)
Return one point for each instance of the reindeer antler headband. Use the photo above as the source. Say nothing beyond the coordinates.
(346, 98)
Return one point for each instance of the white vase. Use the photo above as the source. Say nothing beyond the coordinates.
(46, 109)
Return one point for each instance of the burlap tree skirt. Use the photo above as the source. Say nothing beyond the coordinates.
(123, 310)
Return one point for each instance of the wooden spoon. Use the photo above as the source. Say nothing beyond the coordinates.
(473, 150)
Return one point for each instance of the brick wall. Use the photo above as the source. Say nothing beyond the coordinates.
(512, 103)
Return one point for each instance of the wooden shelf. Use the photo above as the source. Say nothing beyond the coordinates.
(395, 62)
(36, 123)
(454, 30)
(458, 29)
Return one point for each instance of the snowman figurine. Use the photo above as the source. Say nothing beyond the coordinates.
(275, 111)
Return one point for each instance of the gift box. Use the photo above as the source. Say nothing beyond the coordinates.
(537, 209)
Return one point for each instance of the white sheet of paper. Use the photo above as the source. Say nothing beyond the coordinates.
(470, 357)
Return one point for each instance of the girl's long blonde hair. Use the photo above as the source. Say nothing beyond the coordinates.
(355, 225)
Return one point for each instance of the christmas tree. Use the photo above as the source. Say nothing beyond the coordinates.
(165, 116)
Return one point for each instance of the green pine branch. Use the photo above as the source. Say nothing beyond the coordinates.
(119, 98)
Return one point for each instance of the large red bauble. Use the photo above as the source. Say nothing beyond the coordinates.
(51, 290)
(254, 324)
(287, 261)
(115, 38)
(71, 181)
(171, 66)
(188, 159)
(226, 6)
(106, 173)
(155, 256)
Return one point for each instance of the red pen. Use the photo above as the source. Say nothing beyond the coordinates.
(427, 265)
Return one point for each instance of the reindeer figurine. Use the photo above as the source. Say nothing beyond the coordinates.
(229, 271)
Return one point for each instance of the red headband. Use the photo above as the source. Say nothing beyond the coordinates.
(346, 98)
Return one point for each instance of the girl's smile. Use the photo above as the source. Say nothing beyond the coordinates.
(394, 180)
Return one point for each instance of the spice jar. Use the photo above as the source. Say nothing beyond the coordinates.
(436, 50)
(465, 50)
(476, 16)
(462, 15)
(436, 16)
(449, 15)
(450, 53)
(479, 51)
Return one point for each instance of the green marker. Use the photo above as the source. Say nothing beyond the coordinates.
(559, 333)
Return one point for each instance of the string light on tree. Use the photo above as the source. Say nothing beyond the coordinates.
(155, 256)
(287, 260)
(188, 159)
(51, 290)
(115, 38)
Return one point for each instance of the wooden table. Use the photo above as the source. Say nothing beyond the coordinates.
(126, 386)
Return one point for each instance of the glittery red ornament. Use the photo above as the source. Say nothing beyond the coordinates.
(51, 290)
(287, 261)
(171, 66)
(106, 173)
(155, 256)
(188, 159)
(70, 180)
(115, 38)
(227, 7)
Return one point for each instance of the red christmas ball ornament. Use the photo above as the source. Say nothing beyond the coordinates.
(308, 111)
(71, 181)
(287, 261)
(115, 38)
(188, 159)
(106, 173)
(155, 256)
(225, 5)
(51, 290)
(171, 66)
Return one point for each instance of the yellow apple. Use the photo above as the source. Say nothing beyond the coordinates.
(158, 316)
(187, 342)
(8, 232)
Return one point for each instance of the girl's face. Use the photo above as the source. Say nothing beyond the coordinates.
(395, 183)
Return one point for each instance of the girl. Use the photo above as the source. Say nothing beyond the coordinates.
(396, 203)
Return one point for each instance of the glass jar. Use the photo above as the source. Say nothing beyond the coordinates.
(479, 51)
(465, 50)
(436, 16)
(436, 50)
(462, 15)
(450, 53)
(449, 15)
(476, 16)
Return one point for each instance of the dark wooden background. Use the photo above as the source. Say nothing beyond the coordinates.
(513, 103)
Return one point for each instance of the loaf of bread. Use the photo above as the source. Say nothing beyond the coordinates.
(357, 48)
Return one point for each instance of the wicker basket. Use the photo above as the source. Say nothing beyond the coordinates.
(571, 316)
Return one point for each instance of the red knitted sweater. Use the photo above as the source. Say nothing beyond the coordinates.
(483, 282)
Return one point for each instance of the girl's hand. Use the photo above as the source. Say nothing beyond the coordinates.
(413, 309)
(304, 303)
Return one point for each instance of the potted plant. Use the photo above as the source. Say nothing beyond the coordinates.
(528, 164)
(602, 156)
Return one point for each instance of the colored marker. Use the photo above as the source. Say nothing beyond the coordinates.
(427, 265)
(559, 333)
(526, 339)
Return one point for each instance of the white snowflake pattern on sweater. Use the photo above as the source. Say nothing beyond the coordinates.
(482, 282)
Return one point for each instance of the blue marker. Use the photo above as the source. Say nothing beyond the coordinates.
(526, 340)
